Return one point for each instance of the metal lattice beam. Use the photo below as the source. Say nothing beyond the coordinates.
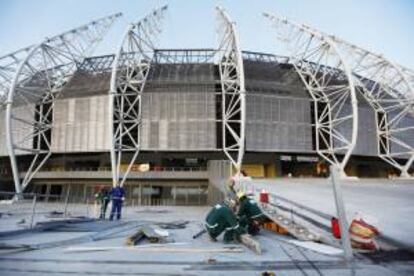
(8, 66)
(328, 78)
(233, 90)
(389, 89)
(36, 85)
(129, 73)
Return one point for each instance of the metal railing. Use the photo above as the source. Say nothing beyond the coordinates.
(26, 209)
(107, 169)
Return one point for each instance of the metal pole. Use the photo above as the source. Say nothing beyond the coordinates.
(33, 210)
(87, 207)
(66, 201)
(340, 209)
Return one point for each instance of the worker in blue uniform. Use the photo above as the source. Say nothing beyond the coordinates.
(118, 197)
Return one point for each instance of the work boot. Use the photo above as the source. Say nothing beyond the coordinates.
(253, 228)
(229, 236)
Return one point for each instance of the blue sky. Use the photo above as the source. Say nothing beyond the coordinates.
(384, 26)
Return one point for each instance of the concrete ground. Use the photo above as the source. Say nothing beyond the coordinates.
(390, 202)
(279, 256)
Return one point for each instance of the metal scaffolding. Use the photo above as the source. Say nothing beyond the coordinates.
(36, 84)
(328, 78)
(129, 73)
(230, 63)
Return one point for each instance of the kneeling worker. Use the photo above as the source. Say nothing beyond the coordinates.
(249, 214)
(222, 219)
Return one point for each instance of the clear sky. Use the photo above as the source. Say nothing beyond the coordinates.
(384, 26)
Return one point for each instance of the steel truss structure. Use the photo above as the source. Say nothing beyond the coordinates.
(8, 66)
(328, 78)
(389, 90)
(231, 69)
(180, 56)
(36, 84)
(129, 73)
(387, 87)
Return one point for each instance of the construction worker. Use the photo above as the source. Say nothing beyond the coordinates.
(231, 191)
(103, 198)
(118, 197)
(249, 214)
(222, 219)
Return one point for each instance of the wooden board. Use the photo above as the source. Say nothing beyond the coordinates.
(251, 243)
(156, 249)
(134, 238)
(153, 235)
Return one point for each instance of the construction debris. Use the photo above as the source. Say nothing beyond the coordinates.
(155, 211)
(5, 215)
(153, 235)
(55, 214)
(179, 224)
(363, 235)
(211, 261)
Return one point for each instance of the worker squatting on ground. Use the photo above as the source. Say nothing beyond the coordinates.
(222, 219)
(118, 197)
(103, 198)
(250, 215)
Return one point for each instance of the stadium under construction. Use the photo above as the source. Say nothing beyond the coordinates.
(163, 122)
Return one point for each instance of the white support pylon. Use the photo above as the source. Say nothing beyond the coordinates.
(233, 90)
(129, 74)
(328, 78)
(36, 84)
(389, 90)
(8, 66)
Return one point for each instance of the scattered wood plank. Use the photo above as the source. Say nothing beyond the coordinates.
(156, 249)
(251, 243)
(153, 235)
(134, 238)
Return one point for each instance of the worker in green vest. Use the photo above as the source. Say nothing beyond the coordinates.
(222, 219)
(102, 197)
(250, 215)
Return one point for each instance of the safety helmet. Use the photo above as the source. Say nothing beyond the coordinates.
(240, 194)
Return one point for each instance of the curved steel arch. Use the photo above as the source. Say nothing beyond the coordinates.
(328, 78)
(389, 89)
(36, 84)
(233, 90)
(8, 66)
(129, 73)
